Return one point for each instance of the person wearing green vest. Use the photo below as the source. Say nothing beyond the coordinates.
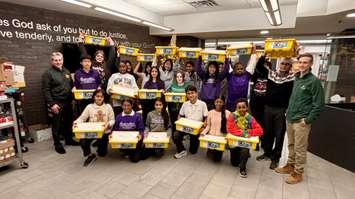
(306, 103)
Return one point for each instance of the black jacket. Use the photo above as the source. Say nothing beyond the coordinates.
(56, 86)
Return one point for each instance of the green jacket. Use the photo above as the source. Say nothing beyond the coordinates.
(307, 99)
(56, 86)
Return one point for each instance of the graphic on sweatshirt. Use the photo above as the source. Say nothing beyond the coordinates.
(260, 87)
(99, 116)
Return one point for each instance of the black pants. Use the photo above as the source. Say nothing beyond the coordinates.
(174, 109)
(257, 111)
(62, 124)
(135, 154)
(80, 105)
(239, 157)
(156, 152)
(101, 146)
(215, 155)
(194, 142)
(274, 131)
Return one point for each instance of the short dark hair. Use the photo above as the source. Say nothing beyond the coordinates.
(127, 61)
(190, 62)
(309, 55)
(191, 88)
(240, 100)
(127, 100)
(85, 57)
(99, 90)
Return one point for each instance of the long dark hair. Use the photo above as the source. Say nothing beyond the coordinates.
(208, 75)
(171, 62)
(223, 116)
(148, 64)
(99, 90)
(150, 76)
(164, 113)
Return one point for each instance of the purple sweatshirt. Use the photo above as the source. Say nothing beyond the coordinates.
(86, 81)
(237, 88)
(129, 122)
(211, 87)
(154, 85)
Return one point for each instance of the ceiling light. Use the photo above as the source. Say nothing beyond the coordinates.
(277, 17)
(351, 15)
(264, 32)
(274, 5)
(157, 26)
(269, 18)
(263, 4)
(86, 5)
(118, 14)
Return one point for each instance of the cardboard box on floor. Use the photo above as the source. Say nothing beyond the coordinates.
(13, 75)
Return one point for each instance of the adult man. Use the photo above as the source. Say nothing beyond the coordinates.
(306, 102)
(56, 87)
(279, 87)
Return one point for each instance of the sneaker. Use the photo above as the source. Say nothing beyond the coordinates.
(262, 157)
(294, 178)
(91, 158)
(243, 173)
(287, 169)
(59, 149)
(180, 155)
(273, 164)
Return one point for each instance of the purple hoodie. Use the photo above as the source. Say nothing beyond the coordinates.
(129, 122)
(237, 88)
(154, 85)
(86, 81)
(211, 87)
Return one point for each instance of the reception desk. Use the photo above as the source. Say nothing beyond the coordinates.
(333, 135)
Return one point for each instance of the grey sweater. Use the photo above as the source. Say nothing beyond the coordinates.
(155, 123)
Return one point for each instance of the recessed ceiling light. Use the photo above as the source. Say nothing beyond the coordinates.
(264, 32)
(351, 15)
(277, 17)
(86, 5)
(274, 5)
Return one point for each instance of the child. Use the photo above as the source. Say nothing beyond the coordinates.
(166, 72)
(193, 109)
(158, 121)
(128, 120)
(216, 125)
(191, 76)
(87, 79)
(145, 75)
(98, 111)
(154, 82)
(241, 123)
(211, 81)
(179, 85)
(238, 82)
(123, 79)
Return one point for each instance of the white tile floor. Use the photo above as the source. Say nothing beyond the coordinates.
(51, 175)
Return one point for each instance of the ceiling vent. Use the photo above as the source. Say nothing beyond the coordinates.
(202, 3)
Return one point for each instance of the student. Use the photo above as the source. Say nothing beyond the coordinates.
(122, 79)
(145, 75)
(104, 67)
(158, 121)
(241, 123)
(178, 86)
(191, 76)
(98, 111)
(86, 79)
(216, 125)
(238, 82)
(154, 82)
(211, 81)
(167, 73)
(193, 109)
(128, 120)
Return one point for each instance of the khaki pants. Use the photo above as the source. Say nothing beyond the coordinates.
(297, 145)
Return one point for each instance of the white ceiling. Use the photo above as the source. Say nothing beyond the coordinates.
(178, 7)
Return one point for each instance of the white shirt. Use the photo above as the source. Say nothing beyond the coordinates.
(196, 111)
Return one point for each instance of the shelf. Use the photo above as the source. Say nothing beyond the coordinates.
(6, 125)
(7, 162)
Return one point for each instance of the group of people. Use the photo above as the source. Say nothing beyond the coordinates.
(280, 101)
